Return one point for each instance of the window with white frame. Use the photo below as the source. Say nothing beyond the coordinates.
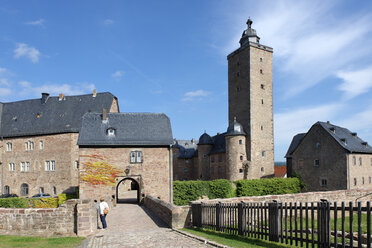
(47, 165)
(31, 145)
(26, 146)
(136, 157)
(263, 154)
(41, 191)
(9, 147)
(52, 165)
(76, 165)
(22, 166)
(41, 145)
(27, 166)
(6, 189)
(11, 167)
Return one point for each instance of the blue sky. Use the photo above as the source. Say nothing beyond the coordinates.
(170, 56)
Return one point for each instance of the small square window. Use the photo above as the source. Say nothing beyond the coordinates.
(263, 154)
(262, 169)
(260, 59)
(324, 182)
(240, 142)
(205, 155)
(261, 71)
(240, 170)
(241, 158)
(136, 157)
(316, 162)
(262, 86)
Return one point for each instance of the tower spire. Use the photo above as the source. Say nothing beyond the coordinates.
(249, 35)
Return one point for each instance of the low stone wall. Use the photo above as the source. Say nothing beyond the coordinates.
(174, 216)
(74, 217)
(332, 196)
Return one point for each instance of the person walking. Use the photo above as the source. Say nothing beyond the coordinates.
(103, 211)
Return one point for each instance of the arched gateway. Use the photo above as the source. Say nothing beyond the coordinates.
(128, 190)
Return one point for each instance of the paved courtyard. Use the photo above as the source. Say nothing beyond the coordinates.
(130, 225)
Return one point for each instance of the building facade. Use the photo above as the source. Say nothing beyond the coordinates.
(246, 149)
(39, 151)
(329, 157)
(121, 147)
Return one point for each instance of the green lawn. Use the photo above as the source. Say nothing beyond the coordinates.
(232, 240)
(29, 242)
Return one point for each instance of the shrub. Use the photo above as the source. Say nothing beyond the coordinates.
(43, 202)
(13, 203)
(186, 191)
(267, 186)
(61, 199)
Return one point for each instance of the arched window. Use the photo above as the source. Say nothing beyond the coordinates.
(24, 189)
(6, 189)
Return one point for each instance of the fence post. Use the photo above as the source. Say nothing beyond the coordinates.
(218, 216)
(274, 221)
(196, 209)
(240, 218)
(325, 224)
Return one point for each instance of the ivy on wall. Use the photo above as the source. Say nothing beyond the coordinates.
(98, 171)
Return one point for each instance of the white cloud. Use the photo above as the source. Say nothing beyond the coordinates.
(24, 50)
(39, 22)
(192, 95)
(118, 74)
(108, 22)
(287, 124)
(4, 82)
(311, 41)
(3, 70)
(54, 89)
(5, 92)
(355, 82)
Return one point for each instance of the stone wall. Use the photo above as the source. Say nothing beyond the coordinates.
(74, 217)
(174, 216)
(332, 196)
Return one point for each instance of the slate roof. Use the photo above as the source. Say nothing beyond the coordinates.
(344, 137)
(187, 148)
(134, 129)
(348, 140)
(219, 143)
(205, 139)
(295, 142)
(32, 117)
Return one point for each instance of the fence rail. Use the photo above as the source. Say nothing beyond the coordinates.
(320, 224)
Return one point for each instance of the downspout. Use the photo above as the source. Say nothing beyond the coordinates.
(347, 172)
(2, 165)
(170, 175)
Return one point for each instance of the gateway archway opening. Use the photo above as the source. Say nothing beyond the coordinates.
(128, 191)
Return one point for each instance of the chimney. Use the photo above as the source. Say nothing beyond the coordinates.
(60, 97)
(44, 97)
(104, 114)
(94, 93)
(328, 122)
(192, 141)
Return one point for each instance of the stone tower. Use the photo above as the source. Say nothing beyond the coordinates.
(204, 147)
(236, 155)
(250, 85)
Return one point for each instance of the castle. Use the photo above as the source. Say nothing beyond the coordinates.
(57, 144)
(246, 149)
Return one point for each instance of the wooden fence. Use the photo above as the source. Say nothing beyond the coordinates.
(321, 224)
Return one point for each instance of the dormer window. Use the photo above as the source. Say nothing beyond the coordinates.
(343, 140)
(333, 129)
(111, 132)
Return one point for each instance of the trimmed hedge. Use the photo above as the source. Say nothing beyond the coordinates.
(186, 191)
(13, 203)
(42, 202)
(268, 186)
